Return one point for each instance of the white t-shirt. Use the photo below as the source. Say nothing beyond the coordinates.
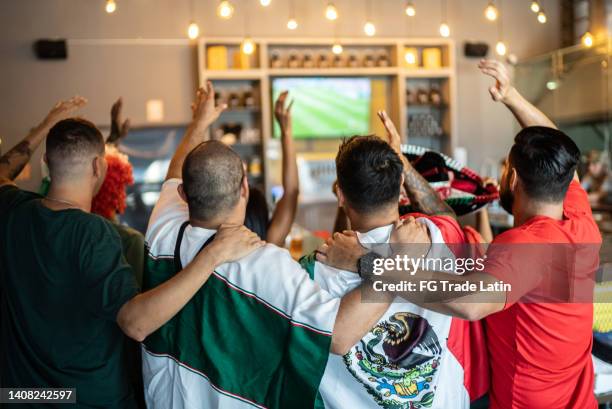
(429, 376)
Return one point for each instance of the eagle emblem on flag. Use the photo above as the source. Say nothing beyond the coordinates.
(397, 362)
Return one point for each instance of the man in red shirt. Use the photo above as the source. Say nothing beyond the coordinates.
(539, 352)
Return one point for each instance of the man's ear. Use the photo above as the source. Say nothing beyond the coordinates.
(96, 166)
(181, 192)
(244, 187)
(45, 160)
(402, 180)
(513, 180)
(340, 194)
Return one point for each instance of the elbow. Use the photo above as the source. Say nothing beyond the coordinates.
(340, 347)
(130, 326)
(472, 312)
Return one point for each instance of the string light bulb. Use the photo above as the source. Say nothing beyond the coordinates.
(501, 49)
(111, 6)
(331, 12)
(225, 9)
(491, 12)
(587, 39)
(369, 29)
(193, 31)
(265, 3)
(248, 46)
(535, 7)
(542, 17)
(337, 49)
(444, 30)
(292, 24)
(410, 9)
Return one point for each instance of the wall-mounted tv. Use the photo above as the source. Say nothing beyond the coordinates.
(329, 107)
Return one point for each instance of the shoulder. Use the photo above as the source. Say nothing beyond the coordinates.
(449, 227)
(11, 196)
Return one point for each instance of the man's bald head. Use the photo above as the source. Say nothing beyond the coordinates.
(71, 146)
(212, 177)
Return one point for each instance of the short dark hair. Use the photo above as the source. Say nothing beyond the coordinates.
(369, 173)
(212, 175)
(70, 144)
(545, 159)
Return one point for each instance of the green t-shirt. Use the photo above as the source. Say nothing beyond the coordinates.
(63, 279)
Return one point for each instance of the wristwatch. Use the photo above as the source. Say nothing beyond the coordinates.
(365, 265)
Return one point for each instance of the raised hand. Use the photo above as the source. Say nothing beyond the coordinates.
(393, 137)
(204, 110)
(64, 109)
(233, 242)
(119, 129)
(283, 114)
(503, 85)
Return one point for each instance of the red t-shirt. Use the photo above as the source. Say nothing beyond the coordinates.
(540, 353)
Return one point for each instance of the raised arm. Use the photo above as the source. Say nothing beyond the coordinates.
(13, 161)
(286, 208)
(119, 128)
(147, 312)
(503, 91)
(204, 114)
(423, 197)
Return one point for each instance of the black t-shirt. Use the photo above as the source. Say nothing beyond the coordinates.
(63, 279)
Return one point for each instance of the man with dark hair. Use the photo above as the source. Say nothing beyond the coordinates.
(260, 331)
(539, 332)
(404, 359)
(368, 174)
(66, 291)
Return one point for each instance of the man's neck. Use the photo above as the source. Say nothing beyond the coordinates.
(363, 223)
(523, 213)
(72, 195)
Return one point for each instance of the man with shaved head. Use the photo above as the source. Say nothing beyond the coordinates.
(67, 295)
(259, 332)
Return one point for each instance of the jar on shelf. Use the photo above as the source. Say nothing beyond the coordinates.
(435, 96)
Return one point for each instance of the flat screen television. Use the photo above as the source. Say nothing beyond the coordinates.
(326, 107)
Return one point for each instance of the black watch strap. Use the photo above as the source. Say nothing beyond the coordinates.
(365, 265)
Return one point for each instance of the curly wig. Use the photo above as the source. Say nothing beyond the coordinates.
(111, 198)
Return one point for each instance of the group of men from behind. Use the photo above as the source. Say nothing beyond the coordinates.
(228, 321)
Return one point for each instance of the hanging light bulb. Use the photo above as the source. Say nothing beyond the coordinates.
(587, 39)
(225, 9)
(111, 6)
(542, 17)
(248, 46)
(444, 30)
(337, 49)
(535, 6)
(292, 24)
(369, 29)
(501, 49)
(193, 31)
(331, 12)
(410, 9)
(265, 3)
(491, 12)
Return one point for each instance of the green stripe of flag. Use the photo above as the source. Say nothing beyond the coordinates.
(241, 345)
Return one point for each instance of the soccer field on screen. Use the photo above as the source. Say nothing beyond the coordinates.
(327, 107)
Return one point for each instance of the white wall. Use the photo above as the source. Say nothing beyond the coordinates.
(29, 87)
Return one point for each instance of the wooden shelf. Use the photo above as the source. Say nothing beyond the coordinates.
(397, 74)
(322, 72)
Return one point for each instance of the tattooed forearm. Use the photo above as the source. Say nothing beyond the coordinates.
(13, 162)
(423, 197)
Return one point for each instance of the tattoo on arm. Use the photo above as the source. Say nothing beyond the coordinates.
(423, 197)
(13, 162)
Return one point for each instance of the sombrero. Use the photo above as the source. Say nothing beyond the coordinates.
(461, 187)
